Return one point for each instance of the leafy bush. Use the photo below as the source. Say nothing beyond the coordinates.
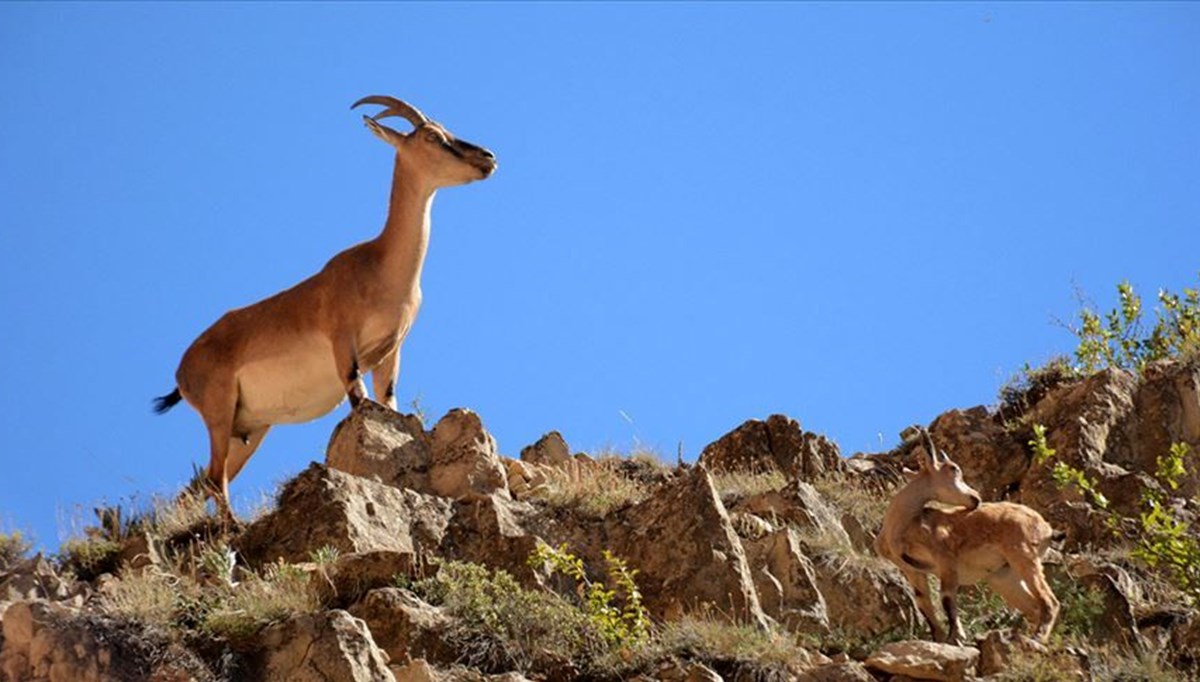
(1064, 475)
(1119, 338)
(1167, 541)
(620, 626)
(501, 626)
(13, 547)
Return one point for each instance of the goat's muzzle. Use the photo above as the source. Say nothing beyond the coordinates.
(975, 502)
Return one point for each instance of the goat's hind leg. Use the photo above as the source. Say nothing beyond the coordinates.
(948, 583)
(345, 358)
(1014, 591)
(217, 408)
(1029, 568)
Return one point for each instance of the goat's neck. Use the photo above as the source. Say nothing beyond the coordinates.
(904, 510)
(405, 237)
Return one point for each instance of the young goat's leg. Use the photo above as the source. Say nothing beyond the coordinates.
(920, 586)
(240, 450)
(948, 582)
(1013, 591)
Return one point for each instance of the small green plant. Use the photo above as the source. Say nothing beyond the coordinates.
(1064, 475)
(1167, 541)
(324, 555)
(245, 608)
(618, 625)
(1118, 338)
(13, 547)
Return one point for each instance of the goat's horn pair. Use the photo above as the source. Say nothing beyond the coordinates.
(395, 107)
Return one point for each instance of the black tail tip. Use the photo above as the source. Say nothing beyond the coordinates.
(165, 402)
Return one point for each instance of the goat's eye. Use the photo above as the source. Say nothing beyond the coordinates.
(433, 137)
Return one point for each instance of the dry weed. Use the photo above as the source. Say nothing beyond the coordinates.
(593, 488)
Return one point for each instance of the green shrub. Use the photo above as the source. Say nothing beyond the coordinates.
(619, 626)
(1167, 541)
(244, 608)
(13, 547)
(1119, 338)
(89, 557)
(501, 626)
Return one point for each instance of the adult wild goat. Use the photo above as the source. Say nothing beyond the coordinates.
(296, 355)
(999, 543)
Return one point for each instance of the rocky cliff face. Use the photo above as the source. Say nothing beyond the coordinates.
(755, 563)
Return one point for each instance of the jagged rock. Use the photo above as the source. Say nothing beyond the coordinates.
(846, 671)
(864, 595)
(377, 442)
(326, 507)
(550, 450)
(686, 551)
(922, 660)
(1167, 411)
(786, 582)
(799, 505)
(993, 461)
(678, 671)
(524, 477)
(320, 647)
(490, 531)
(47, 642)
(405, 626)
(776, 444)
(415, 671)
(35, 578)
(998, 648)
(463, 457)
(353, 575)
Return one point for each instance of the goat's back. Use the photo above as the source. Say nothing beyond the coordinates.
(998, 524)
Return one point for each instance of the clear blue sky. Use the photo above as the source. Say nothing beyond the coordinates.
(858, 215)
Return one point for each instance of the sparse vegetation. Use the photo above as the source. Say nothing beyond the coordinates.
(13, 547)
(593, 488)
(89, 557)
(767, 654)
(242, 609)
(735, 485)
(620, 625)
(1167, 541)
(1025, 389)
(851, 496)
(1120, 338)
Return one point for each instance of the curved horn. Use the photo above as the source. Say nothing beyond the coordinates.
(395, 107)
(927, 440)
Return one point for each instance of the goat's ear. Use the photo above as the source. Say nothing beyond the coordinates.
(392, 137)
(930, 461)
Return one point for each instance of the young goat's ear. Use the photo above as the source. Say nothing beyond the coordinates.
(388, 135)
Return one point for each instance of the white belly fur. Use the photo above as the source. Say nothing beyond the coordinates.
(297, 385)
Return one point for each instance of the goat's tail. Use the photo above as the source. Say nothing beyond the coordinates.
(165, 402)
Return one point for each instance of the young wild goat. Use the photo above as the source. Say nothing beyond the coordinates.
(997, 542)
(295, 356)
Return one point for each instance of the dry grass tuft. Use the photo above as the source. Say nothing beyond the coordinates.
(736, 485)
(593, 488)
(755, 653)
(864, 501)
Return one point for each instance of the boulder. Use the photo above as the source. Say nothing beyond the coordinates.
(320, 647)
(405, 626)
(491, 531)
(524, 477)
(999, 648)
(1167, 411)
(786, 582)
(415, 671)
(846, 671)
(377, 442)
(922, 660)
(47, 642)
(463, 457)
(686, 551)
(864, 595)
(775, 444)
(992, 459)
(550, 450)
(327, 507)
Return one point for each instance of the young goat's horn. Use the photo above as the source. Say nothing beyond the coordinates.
(395, 107)
(928, 442)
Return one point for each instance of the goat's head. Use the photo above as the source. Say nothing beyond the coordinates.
(440, 156)
(943, 478)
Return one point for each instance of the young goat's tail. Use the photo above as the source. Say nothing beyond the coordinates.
(165, 402)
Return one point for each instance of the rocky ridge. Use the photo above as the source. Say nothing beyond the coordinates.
(767, 536)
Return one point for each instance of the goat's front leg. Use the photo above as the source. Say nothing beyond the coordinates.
(920, 586)
(948, 581)
(345, 358)
(383, 377)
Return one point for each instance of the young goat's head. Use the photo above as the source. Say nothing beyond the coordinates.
(943, 478)
(437, 154)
